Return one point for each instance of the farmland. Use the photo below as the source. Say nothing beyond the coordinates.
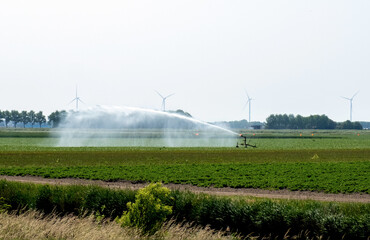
(320, 161)
(326, 161)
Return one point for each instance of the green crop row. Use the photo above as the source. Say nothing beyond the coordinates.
(340, 177)
(59, 157)
(258, 216)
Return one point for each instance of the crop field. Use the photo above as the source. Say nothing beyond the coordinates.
(320, 161)
(327, 161)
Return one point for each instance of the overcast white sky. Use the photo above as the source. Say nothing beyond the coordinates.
(294, 57)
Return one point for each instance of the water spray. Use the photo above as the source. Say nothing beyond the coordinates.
(130, 126)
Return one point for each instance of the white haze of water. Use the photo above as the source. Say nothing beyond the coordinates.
(129, 126)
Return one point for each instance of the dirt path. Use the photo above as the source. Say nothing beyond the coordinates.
(278, 194)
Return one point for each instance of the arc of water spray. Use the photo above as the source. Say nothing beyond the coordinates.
(182, 117)
(77, 99)
(121, 117)
(350, 104)
(164, 100)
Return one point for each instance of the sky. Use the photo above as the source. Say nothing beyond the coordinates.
(293, 57)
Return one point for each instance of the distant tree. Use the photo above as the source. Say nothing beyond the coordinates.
(32, 117)
(55, 118)
(181, 112)
(1, 117)
(345, 125)
(7, 116)
(271, 122)
(349, 125)
(15, 117)
(24, 118)
(40, 118)
(299, 121)
(291, 122)
(357, 125)
(284, 122)
(326, 123)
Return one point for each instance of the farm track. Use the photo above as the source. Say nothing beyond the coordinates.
(273, 194)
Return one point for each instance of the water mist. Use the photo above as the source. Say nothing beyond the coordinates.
(129, 126)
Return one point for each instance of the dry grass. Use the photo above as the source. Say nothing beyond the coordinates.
(33, 225)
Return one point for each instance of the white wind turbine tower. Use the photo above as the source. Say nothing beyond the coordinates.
(77, 99)
(164, 100)
(350, 105)
(249, 100)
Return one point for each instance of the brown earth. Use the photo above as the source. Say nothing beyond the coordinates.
(275, 194)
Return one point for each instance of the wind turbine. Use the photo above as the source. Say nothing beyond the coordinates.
(164, 100)
(249, 105)
(77, 99)
(350, 105)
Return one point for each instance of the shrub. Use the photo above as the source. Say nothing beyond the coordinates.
(3, 205)
(149, 211)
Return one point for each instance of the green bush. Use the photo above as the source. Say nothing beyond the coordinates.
(3, 205)
(149, 211)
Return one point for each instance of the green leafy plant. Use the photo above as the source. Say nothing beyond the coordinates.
(149, 210)
(3, 205)
(99, 216)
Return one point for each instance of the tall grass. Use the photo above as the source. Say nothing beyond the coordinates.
(275, 218)
(65, 199)
(33, 225)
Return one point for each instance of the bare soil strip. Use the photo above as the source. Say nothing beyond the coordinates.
(275, 194)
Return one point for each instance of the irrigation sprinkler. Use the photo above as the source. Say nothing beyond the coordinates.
(244, 142)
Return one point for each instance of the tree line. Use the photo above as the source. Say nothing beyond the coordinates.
(284, 121)
(23, 117)
(274, 121)
(31, 117)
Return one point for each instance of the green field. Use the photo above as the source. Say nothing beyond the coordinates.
(328, 161)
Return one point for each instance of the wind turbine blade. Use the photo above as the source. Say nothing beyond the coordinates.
(245, 105)
(81, 101)
(170, 95)
(355, 94)
(247, 94)
(159, 94)
(345, 98)
(72, 101)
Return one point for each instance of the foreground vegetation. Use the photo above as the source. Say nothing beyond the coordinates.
(236, 215)
(37, 226)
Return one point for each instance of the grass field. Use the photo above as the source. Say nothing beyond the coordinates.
(328, 161)
(36, 226)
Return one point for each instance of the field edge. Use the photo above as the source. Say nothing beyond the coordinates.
(227, 191)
